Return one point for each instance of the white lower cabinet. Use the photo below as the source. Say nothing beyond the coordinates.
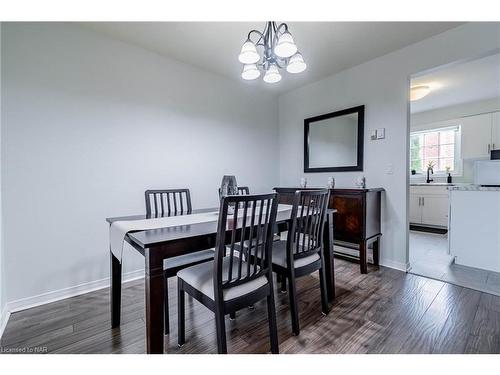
(415, 209)
(429, 205)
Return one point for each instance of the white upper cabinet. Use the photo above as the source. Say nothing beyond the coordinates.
(495, 131)
(477, 136)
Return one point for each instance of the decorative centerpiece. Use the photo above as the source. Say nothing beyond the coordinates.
(303, 182)
(331, 182)
(228, 187)
(361, 182)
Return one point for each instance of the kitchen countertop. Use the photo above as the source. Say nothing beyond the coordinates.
(474, 188)
(431, 184)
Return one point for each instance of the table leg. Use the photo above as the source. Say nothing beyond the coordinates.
(116, 290)
(362, 257)
(155, 294)
(376, 252)
(328, 257)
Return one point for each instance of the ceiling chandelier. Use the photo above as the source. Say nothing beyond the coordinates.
(279, 52)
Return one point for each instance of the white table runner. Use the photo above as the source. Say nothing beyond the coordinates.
(119, 229)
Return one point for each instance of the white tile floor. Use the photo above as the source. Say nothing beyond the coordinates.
(429, 257)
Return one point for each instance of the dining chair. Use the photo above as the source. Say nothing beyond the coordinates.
(302, 252)
(242, 190)
(229, 283)
(173, 202)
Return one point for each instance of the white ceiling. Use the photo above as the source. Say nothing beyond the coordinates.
(327, 47)
(461, 83)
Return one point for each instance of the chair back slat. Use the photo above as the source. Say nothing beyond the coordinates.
(305, 236)
(167, 202)
(252, 220)
(243, 190)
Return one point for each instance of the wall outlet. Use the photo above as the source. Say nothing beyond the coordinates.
(390, 169)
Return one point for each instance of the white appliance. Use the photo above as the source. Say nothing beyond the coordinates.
(487, 172)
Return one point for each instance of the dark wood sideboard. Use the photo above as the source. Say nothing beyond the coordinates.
(357, 222)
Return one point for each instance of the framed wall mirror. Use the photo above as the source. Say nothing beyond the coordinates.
(333, 142)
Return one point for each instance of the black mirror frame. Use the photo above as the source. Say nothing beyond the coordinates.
(360, 110)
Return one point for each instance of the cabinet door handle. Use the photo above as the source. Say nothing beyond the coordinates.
(489, 148)
(423, 201)
(419, 201)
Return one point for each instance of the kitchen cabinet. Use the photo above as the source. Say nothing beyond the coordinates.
(435, 210)
(495, 131)
(476, 136)
(415, 209)
(429, 205)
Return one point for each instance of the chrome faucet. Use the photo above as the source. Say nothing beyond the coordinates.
(429, 169)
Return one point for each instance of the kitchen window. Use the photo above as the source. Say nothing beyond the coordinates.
(441, 147)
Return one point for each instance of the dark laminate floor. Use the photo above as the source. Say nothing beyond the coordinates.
(386, 311)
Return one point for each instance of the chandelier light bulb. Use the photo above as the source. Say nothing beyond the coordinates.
(248, 54)
(296, 64)
(286, 46)
(272, 74)
(250, 71)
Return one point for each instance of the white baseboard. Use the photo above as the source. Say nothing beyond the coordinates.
(396, 265)
(383, 262)
(56, 295)
(4, 318)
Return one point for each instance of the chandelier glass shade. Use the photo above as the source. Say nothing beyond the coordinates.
(296, 64)
(278, 51)
(250, 71)
(272, 74)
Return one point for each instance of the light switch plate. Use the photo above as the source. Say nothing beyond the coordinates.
(381, 133)
(373, 135)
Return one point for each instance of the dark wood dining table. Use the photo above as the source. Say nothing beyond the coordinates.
(156, 245)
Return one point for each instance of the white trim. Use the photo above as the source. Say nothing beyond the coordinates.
(4, 318)
(57, 295)
(396, 265)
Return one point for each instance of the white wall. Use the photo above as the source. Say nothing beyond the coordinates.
(89, 123)
(3, 314)
(449, 113)
(382, 86)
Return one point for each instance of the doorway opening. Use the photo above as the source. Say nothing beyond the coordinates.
(454, 127)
